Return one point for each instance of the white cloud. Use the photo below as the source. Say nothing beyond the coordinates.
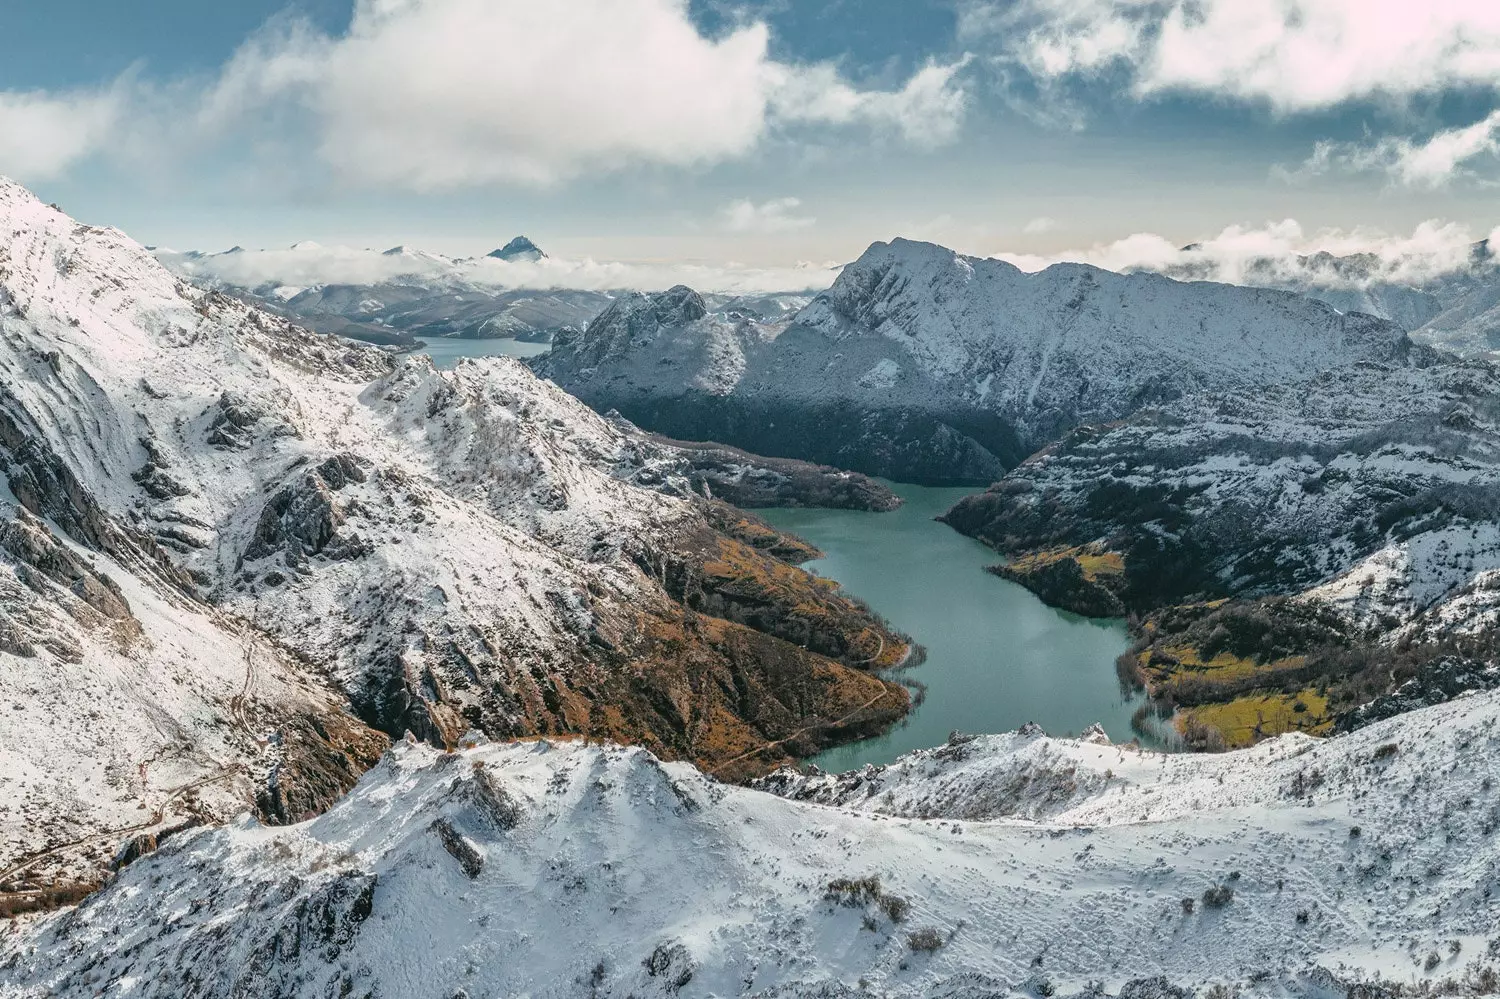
(309, 264)
(776, 215)
(432, 94)
(1432, 163)
(41, 134)
(1281, 253)
(442, 93)
(1039, 225)
(1294, 54)
(927, 111)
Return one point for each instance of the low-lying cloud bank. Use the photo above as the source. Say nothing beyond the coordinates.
(1277, 254)
(1283, 253)
(307, 265)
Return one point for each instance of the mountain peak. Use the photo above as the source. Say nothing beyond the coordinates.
(519, 249)
(677, 305)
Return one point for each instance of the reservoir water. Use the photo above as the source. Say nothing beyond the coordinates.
(448, 351)
(997, 657)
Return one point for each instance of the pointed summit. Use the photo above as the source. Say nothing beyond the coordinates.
(519, 249)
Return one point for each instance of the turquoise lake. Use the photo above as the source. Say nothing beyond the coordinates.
(997, 657)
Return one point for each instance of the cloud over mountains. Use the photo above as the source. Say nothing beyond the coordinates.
(428, 95)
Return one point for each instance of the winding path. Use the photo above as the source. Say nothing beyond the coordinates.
(157, 817)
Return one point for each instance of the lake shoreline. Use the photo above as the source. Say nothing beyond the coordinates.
(997, 656)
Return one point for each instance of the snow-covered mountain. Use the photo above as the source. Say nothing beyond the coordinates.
(1351, 516)
(402, 295)
(994, 867)
(1443, 298)
(519, 248)
(396, 296)
(233, 553)
(1469, 323)
(1282, 489)
(923, 364)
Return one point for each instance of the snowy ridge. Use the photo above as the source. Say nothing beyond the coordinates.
(1309, 864)
(1438, 583)
(143, 363)
(1074, 330)
(218, 526)
(1373, 488)
(918, 350)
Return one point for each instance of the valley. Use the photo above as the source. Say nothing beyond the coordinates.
(288, 618)
(994, 657)
(750, 499)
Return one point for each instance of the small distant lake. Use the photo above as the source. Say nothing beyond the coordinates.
(997, 657)
(448, 351)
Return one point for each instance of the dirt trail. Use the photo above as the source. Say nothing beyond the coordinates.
(157, 817)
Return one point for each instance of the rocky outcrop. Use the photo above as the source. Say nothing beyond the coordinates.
(1436, 682)
(321, 756)
(303, 518)
(749, 481)
(39, 557)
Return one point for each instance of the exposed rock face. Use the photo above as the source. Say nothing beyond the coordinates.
(1437, 682)
(303, 518)
(519, 248)
(39, 556)
(924, 365)
(322, 755)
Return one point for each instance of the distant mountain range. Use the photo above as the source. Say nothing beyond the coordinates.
(402, 296)
(922, 364)
(1454, 304)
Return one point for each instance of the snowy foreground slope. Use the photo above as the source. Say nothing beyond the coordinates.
(922, 364)
(1013, 864)
(233, 553)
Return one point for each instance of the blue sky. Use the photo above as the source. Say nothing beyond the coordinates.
(764, 132)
